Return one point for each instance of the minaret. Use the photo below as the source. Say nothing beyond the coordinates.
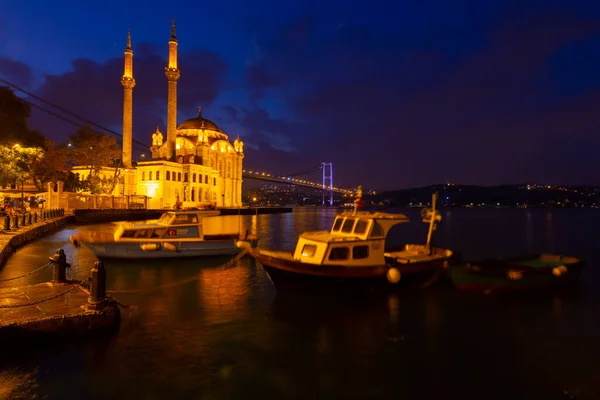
(128, 83)
(172, 74)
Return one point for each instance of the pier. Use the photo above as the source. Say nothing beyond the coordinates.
(58, 308)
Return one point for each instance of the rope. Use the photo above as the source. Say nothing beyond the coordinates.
(181, 282)
(33, 303)
(27, 274)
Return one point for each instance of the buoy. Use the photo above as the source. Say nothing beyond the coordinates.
(150, 246)
(393, 275)
(560, 270)
(169, 246)
(515, 275)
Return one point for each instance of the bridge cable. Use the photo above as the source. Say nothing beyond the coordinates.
(63, 110)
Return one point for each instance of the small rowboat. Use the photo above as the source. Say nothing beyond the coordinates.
(536, 271)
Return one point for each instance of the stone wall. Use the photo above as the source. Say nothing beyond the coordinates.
(30, 233)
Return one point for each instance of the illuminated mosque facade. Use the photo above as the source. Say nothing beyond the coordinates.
(194, 165)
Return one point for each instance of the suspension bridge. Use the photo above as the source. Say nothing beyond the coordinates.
(296, 179)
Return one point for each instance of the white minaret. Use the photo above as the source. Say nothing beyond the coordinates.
(172, 74)
(128, 83)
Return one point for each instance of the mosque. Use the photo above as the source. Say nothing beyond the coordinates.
(194, 165)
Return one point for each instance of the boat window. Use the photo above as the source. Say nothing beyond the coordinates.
(361, 226)
(128, 234)
(348, 225)
(359, 252)
(186, 219)
(337, 224)
(143, 233)
(158, 232)
(165, 218)
(309, 250)
(377, 230)
(339, 253)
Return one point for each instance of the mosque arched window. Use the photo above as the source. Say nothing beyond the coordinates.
(168, 175)
(185, 176)
(193, 195)
(206, 179)
(143, 175)
(158, 175)
(149, 175)
(179, 177)
(194, 177)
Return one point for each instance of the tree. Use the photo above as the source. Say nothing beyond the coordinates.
(96, 150)
(13, 121)
(17, 163)
(51, 167)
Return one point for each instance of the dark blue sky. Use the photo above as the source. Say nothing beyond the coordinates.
(395, 94)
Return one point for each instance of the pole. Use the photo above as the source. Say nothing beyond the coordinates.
(22, 197)
(431, 221)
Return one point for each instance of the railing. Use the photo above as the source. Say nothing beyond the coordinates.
(15, 221)
(72, 201)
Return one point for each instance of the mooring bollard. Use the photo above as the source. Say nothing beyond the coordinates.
(97, 286)
(59, 269)
(7, 223)
(15, 222)
(23, 221)
(28, 218)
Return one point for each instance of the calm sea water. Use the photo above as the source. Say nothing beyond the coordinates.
(199, 331)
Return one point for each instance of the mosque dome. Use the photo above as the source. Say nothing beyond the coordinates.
(198, 123)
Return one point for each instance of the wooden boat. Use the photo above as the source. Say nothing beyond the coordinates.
(175, 234)
(352, 255)
(536, 271)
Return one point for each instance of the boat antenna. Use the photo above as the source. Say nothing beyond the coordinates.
(431, 216)
(357, 198)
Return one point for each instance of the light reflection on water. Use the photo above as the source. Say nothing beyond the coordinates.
(201, 331)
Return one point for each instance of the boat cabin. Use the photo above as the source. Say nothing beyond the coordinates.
(355, 239)
(171, 225)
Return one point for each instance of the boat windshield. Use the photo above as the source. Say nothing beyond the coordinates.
(165, 219)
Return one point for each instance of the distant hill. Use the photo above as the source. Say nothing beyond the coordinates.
(524, 195)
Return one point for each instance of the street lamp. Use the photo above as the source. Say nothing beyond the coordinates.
(15, 147)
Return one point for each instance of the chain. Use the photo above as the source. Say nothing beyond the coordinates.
(27, 274)
(33, 303)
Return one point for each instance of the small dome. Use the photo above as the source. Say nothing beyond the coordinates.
(199, 123)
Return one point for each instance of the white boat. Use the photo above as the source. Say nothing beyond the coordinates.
(175, 234)
(352, 254)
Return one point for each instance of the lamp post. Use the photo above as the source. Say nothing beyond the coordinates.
(15, 147)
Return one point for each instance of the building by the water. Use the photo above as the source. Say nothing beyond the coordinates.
(194, 165)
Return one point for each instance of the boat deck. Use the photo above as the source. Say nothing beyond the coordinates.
(408, 257)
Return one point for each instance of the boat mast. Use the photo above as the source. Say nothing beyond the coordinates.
(357, 197)
(432, 216)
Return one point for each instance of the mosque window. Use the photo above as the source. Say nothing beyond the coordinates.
(199, 194)
(179, 177)
(214, 181)
(185, 176)
(158, 175)
(194, 178)
(193, 196)
(143, 175)
(149, 175)
(206, 179)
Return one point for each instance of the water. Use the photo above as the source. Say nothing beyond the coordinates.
(202, 332)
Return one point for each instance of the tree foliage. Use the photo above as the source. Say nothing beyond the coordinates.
(96, 150)
(13, 121)
(17, 162)
(51, 167)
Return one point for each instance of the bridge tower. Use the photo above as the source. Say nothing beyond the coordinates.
(327, 180)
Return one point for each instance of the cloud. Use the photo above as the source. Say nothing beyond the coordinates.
(16, 72)
(392, 112)
(93, 90)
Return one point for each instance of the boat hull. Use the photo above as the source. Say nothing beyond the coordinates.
(292, 275)
(161, 249)
(514, 275)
